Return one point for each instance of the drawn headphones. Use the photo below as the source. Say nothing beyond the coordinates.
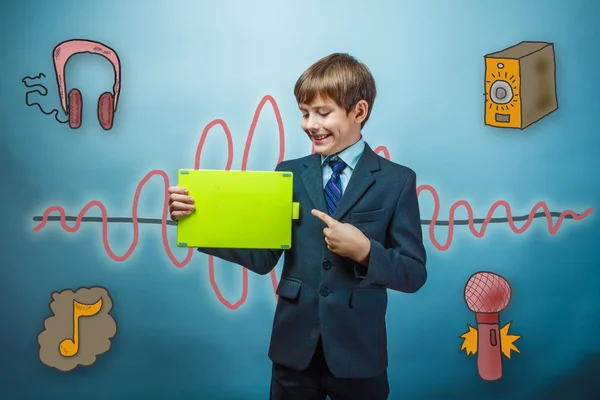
(107, 103)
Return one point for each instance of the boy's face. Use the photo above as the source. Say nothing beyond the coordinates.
(328, 126)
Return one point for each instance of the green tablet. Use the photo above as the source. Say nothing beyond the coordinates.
(238, 209)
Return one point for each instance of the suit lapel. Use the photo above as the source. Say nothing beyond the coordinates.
(312, 178)
(360, 181)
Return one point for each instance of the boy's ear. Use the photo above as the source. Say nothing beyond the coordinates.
(360, 111)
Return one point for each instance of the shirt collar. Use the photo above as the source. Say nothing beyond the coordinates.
(350, 155)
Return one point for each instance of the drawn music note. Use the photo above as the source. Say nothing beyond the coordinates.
(70, 347)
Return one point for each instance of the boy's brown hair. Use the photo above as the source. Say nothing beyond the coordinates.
(339, 77)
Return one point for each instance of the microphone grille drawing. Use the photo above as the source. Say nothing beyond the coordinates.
(486, 292)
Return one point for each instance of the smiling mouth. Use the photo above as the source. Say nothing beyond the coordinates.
(320, 137)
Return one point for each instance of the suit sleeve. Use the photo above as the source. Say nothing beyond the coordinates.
(260, 261)
(400, 266)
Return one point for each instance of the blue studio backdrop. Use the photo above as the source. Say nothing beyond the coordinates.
(191, 73)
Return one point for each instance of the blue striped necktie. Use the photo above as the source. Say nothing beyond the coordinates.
(333, 189)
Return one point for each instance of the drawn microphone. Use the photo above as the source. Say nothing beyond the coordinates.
(486, 295)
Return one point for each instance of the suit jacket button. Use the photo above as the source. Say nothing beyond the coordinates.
(325, 291)
(326, 264)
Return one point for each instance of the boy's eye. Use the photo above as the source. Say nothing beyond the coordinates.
(321, 113)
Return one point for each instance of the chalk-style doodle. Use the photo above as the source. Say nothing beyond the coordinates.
(520, 85)
(80, 329)
(107, 103)
(164, 221)
(487, 294)
(42, 91)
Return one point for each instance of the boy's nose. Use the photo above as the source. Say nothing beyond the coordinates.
(312, 125)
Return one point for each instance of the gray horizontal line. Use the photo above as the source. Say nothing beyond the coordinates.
(423, 221)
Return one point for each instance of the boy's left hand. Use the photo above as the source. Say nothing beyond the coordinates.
(344, 239)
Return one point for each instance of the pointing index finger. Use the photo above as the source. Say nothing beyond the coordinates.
(323, 217)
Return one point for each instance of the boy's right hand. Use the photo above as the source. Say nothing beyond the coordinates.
(180, 204)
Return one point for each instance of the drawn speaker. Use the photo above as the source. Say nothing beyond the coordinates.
(520, 85)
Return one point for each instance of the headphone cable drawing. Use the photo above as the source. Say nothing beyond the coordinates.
(45, 93)
(164, 221)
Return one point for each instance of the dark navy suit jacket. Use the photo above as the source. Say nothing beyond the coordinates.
(324, 294)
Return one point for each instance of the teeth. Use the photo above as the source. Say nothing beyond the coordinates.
(320, 137)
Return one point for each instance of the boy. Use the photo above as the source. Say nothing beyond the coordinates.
(359, 233)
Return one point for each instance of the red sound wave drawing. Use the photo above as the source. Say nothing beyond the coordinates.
(551, 229)
(215, 286)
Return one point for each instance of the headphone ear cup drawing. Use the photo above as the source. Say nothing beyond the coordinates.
(75, 108)
(106, 111)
